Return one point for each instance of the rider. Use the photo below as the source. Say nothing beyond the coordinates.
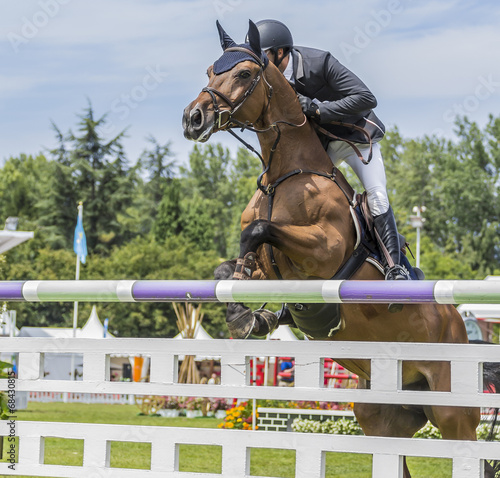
(329, 92)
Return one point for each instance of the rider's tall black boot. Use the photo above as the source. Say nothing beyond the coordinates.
(387, 232)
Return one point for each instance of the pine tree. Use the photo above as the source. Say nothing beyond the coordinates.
(92, 169)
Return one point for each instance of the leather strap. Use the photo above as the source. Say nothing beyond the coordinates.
(350, 143)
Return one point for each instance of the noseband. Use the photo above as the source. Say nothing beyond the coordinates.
(234, 106)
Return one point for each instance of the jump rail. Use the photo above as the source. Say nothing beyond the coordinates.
(315, 291)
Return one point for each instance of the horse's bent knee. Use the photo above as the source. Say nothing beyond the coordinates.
(253, 236)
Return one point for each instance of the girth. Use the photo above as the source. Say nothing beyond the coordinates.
(322, 321)
(270, 190)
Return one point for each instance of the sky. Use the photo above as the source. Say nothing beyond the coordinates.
(141, 62)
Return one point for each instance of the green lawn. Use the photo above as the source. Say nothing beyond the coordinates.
(195, 458)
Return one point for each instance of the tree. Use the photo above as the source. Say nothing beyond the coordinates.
(145, 259)
(458, 183)
(243, 173)
(169, 222)
(23, 183)
(159, 169)
(34, 261)
(94, 170)
(141, 258)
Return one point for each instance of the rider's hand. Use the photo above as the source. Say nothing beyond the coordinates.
(309, 107)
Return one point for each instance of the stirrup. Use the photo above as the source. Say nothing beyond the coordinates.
(397, 272)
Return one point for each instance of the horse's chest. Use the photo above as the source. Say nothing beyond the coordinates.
(287, 206)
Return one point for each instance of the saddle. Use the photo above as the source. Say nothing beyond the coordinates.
(322, 321)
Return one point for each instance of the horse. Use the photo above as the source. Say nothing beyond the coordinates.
(299, 225)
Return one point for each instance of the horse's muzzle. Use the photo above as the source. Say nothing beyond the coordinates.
(196, 125)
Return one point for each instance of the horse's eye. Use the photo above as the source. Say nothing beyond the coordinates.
(244, 74)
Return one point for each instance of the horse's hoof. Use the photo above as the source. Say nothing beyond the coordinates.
(267, 321)
(242, 326)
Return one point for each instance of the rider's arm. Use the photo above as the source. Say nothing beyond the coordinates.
(352, 96)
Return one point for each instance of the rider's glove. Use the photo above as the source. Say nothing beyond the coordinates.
(309, 107)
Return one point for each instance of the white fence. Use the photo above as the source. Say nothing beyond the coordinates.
(50, 397)
(386, 360)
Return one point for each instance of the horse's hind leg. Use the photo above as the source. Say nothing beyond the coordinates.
(455, 423)
(458, 423)
(390, 421)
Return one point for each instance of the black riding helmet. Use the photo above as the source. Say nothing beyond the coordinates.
(274, 35)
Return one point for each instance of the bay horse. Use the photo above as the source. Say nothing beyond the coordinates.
(302, 211)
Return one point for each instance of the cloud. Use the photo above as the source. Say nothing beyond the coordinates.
(424, 56)
(440, 65)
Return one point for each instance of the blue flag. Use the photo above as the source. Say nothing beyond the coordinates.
(80, 242)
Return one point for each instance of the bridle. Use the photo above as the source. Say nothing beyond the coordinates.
(234, 106)
(227, 123)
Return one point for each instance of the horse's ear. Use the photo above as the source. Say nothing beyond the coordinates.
(225, 40)
(254, 37)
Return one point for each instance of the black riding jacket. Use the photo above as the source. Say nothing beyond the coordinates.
(342, 95)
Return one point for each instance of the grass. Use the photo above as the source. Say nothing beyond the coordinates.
(194, 458)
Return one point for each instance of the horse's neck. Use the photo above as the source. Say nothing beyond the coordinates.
(299, 146)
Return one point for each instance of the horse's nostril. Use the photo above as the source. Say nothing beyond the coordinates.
(196, 118)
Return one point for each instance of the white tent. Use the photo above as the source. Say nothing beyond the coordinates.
(93, 329)
(10, 239)
(199, 334)
(58, 366)
(283, 332)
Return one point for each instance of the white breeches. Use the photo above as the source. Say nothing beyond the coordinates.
(371, 175)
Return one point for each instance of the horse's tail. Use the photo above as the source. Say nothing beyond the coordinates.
(491, 383)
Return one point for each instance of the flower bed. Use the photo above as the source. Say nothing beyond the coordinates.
(341, 426)
(239, 417)
(194, 406)
(281, 419)
(346, 426)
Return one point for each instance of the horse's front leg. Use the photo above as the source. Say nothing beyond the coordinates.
(313, 250)
(241, 320)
